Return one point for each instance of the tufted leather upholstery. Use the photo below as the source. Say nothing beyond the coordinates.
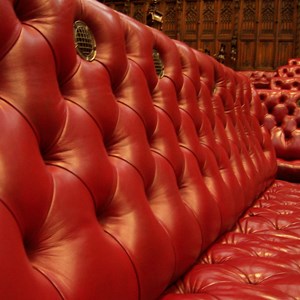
(288, 76)
(259, 259)
(282, 100)
(115, 182)
(280, 93)
(285, 83)
(291, 69)
(283, 120)
(260, 79)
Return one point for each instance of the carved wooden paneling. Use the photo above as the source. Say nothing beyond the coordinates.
(248, 22)
(208, 17)
(264, 57)
(170, 19)
(265, 33)
(246, 54)
(207, 26)
(226, 17)
(270, 24)
(287, 17)
(247, 33)
(285, 49)
(268, 18)
(139, 11)
(191, 16)
(189, 28)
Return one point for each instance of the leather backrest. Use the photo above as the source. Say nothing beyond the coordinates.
(113, 179)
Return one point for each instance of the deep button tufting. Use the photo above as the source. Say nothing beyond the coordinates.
(283, 124)
(262, 96)
(270, 103)
(291, 106)
(283, 98)
(289, 125)
(293, 62)
(254, 278)
(131, 183)
(279, 112)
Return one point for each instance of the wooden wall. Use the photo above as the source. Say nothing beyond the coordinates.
(265, 32)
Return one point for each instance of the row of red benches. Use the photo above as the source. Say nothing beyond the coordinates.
(279, 91)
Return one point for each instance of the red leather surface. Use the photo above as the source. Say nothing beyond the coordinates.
(285, 83)
(259, 259)
(260, 79)
(283, 121)
(280, 95)
(114, 181)
(291, 69)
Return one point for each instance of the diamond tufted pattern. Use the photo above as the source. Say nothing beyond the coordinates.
(119, 184)
(283, 121)
(258, 259)
(279, 93)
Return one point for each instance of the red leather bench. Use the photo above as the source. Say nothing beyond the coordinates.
(283, 121)
(279, 92)
(122, 181)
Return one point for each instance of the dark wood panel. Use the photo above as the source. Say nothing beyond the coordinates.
(285, 49)
(246, 55)
(265, 54)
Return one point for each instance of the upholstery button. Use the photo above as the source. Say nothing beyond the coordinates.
(289, 125)
(279, 112)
